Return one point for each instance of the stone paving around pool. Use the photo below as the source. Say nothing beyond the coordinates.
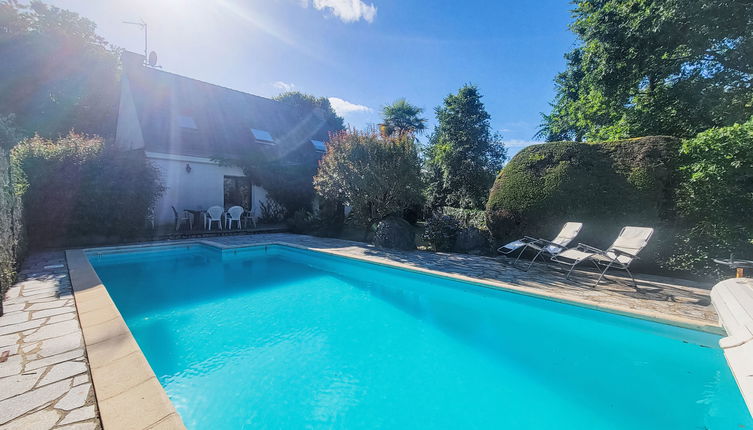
(45, 381)
(656, 297)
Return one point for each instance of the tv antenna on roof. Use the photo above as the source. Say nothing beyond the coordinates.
(150, 58)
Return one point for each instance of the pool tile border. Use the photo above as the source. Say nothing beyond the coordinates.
(124, 381)
(128, 394)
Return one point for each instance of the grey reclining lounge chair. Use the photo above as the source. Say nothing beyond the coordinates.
(549, 247)
(620, 254)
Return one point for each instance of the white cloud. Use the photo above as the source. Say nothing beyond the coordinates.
(284, 86)
(346, 10)
(344, 107)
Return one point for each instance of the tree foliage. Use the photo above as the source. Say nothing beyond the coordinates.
(377, 176)
(12, 242)
(58, 74)
(464, 154)
(308, 103)
(402, 117)
(654, 67)
(286, 176)
(715, 199)
(77, 187)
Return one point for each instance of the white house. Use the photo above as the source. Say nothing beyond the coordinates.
(184, 126)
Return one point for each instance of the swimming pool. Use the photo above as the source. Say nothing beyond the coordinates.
(280, 337)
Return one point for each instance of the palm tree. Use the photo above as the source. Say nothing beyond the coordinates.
(402, 117)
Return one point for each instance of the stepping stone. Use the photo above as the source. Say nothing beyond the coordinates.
(59, 345)
(15, 328)
(61, 318)
(14, 318)
(17, 384)
(80, 379)
(13, 308)
(80, 414)
(63, 371)
(53, 330)
(51, 312)
(24, 403)
(78, 426)
(9, 339)
(54, 303)
(75, 398)
(36, 364)
(42, 420)
(11, 367)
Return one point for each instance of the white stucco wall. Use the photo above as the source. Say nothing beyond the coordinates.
(198, 190)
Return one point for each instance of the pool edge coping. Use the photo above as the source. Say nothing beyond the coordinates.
(113, 352)
(122, 379)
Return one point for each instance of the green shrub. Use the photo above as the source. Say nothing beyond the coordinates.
(715, 199)
(441, 232)
(377, 176)
(302, 222)
(604, 185)
(467, 217)
(271, 212)
(12, 243)
(77, 189)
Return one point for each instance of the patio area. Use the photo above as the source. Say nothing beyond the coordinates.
(46, 377)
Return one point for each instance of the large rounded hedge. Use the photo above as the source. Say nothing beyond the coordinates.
(603, 185)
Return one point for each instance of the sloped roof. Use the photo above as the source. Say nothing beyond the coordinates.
(223, 117)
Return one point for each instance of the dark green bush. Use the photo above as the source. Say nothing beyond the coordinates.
(715, 199)
(604, 185)
(467, 217)
(11, 225)
(302, 222)
(441, 232)
(77, 190)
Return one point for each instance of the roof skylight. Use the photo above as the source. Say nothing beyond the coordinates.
(262, 136)
(319, 145)
(185, 121)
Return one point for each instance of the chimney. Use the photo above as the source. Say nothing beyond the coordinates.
(132, 60)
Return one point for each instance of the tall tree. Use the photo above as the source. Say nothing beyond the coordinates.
(310, 103)
(402, 117)
(464, 154)
(58, 74)
(376, 175)
(654, 67)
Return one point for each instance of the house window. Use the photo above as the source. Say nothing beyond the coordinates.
(237, 192)
(262, 136)
(319, 145)
(187, 122)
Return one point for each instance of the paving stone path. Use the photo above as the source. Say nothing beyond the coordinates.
(657, 296)
(44, 382)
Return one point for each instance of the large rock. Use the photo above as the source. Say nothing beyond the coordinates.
(395, 232)
(472, 240)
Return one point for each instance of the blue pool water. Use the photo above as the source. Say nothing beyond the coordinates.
(281, 338)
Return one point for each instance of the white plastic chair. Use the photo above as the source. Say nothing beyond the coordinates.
(214, 214)
(233, 215)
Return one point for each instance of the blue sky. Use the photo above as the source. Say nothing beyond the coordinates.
(362, 54)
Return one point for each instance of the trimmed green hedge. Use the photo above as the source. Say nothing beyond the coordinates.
(604, 185)
(12, 237)
(79, 190)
